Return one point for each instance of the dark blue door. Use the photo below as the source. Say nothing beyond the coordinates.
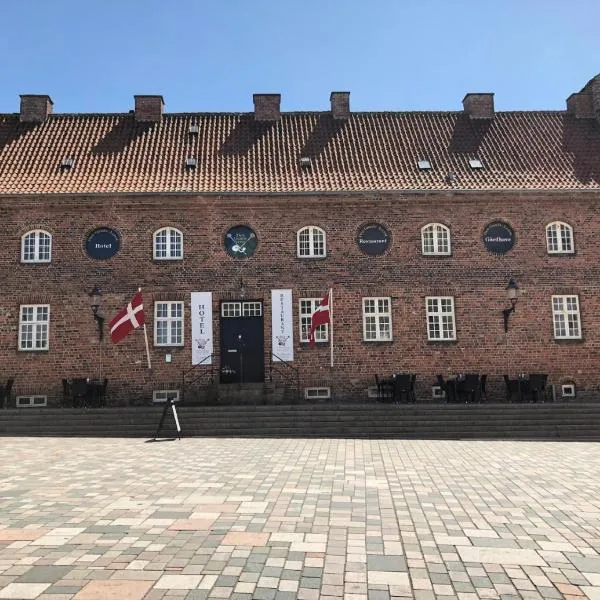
(242, 342)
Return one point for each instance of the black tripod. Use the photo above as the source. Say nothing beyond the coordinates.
(168, 403)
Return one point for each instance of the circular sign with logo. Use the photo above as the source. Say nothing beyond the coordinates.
(102, 243)
(373, 239)
(240, 241)
(498, 238)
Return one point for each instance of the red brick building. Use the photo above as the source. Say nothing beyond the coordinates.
(236, 225)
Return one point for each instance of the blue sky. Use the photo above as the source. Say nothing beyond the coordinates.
(212, 55)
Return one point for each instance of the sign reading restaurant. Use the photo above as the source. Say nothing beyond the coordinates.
(102, 243)
(498, 237)
(373, 239)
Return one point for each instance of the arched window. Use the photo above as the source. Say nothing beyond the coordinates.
(435, 239)
(168, 244)
(559, 238)
(36, 247)
(311, 242)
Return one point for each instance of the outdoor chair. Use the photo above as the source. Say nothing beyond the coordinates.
(468, 389)
(537, 386)
(402, 388)
(513, 389)
(413, 382)
(385, 388)
(482, 393)
(5, 393)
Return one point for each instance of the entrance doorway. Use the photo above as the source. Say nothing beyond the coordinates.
(242, 342)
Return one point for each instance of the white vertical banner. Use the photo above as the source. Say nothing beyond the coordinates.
(282, 326)
(202, 328)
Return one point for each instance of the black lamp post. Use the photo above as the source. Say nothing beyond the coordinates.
(96, 305)
(512, 292)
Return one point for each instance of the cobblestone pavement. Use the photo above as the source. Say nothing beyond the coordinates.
(122, 519)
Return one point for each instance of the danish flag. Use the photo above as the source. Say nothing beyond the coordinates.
(319, 317)
(130, 317)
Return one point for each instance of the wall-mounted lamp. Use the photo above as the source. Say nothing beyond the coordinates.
(512, 292)
(96, 306)
(242, 289)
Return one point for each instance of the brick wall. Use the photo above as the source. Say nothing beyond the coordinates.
(473, 276)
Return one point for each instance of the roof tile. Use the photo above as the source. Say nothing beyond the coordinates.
(235, 153)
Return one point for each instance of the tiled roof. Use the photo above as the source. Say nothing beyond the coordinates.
(235, 153)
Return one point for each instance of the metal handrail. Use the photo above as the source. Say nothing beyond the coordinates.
(194, 367)
(283, 373)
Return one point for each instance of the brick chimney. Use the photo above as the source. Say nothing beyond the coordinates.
(479, 106)
(266, 107)
(149, 109)
(340, 105)
(586, 103)
(35, 108)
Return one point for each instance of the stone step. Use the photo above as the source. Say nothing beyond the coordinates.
(543, 421)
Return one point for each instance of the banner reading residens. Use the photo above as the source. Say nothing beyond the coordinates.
(202, 329)
(282, 326)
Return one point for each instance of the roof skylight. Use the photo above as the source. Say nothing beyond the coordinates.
(424, 164)
(475, 163)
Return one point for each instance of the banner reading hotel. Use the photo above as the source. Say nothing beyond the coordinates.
(202, 328)
(282, 328)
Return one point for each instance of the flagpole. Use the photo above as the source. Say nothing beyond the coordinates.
(146, 338)
(331, 322)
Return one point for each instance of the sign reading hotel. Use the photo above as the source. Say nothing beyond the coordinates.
(102, 243)
(202, 329)
(373, 239)
(282, 328)
(498, 238)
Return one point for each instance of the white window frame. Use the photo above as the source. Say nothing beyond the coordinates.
(238, 308)
(175, 324)
(440, 238)
(173, 244)
(380, 317)
(317, 393)
(38, 235)
(317, 242)
(40, 328)
(164, 395)
(559, 238)
(30, 401)
(304, 320)
(438, 317)
(567, 317)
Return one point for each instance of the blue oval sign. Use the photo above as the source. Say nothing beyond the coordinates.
(103, 243)
(498, 238)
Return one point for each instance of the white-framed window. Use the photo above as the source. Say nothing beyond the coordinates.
(568, 390)
(31, 401)
(435, 239)
(34, 320)
(437, 392)
(317, 393)
(165, 395)
(372, 392)
(168, 323)
(311, 242)
(377, 319)
(440, 318)
(307, 307)
(36, 247)
(241, 309)
(567, 321)
(559, 238)
(168, 244)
